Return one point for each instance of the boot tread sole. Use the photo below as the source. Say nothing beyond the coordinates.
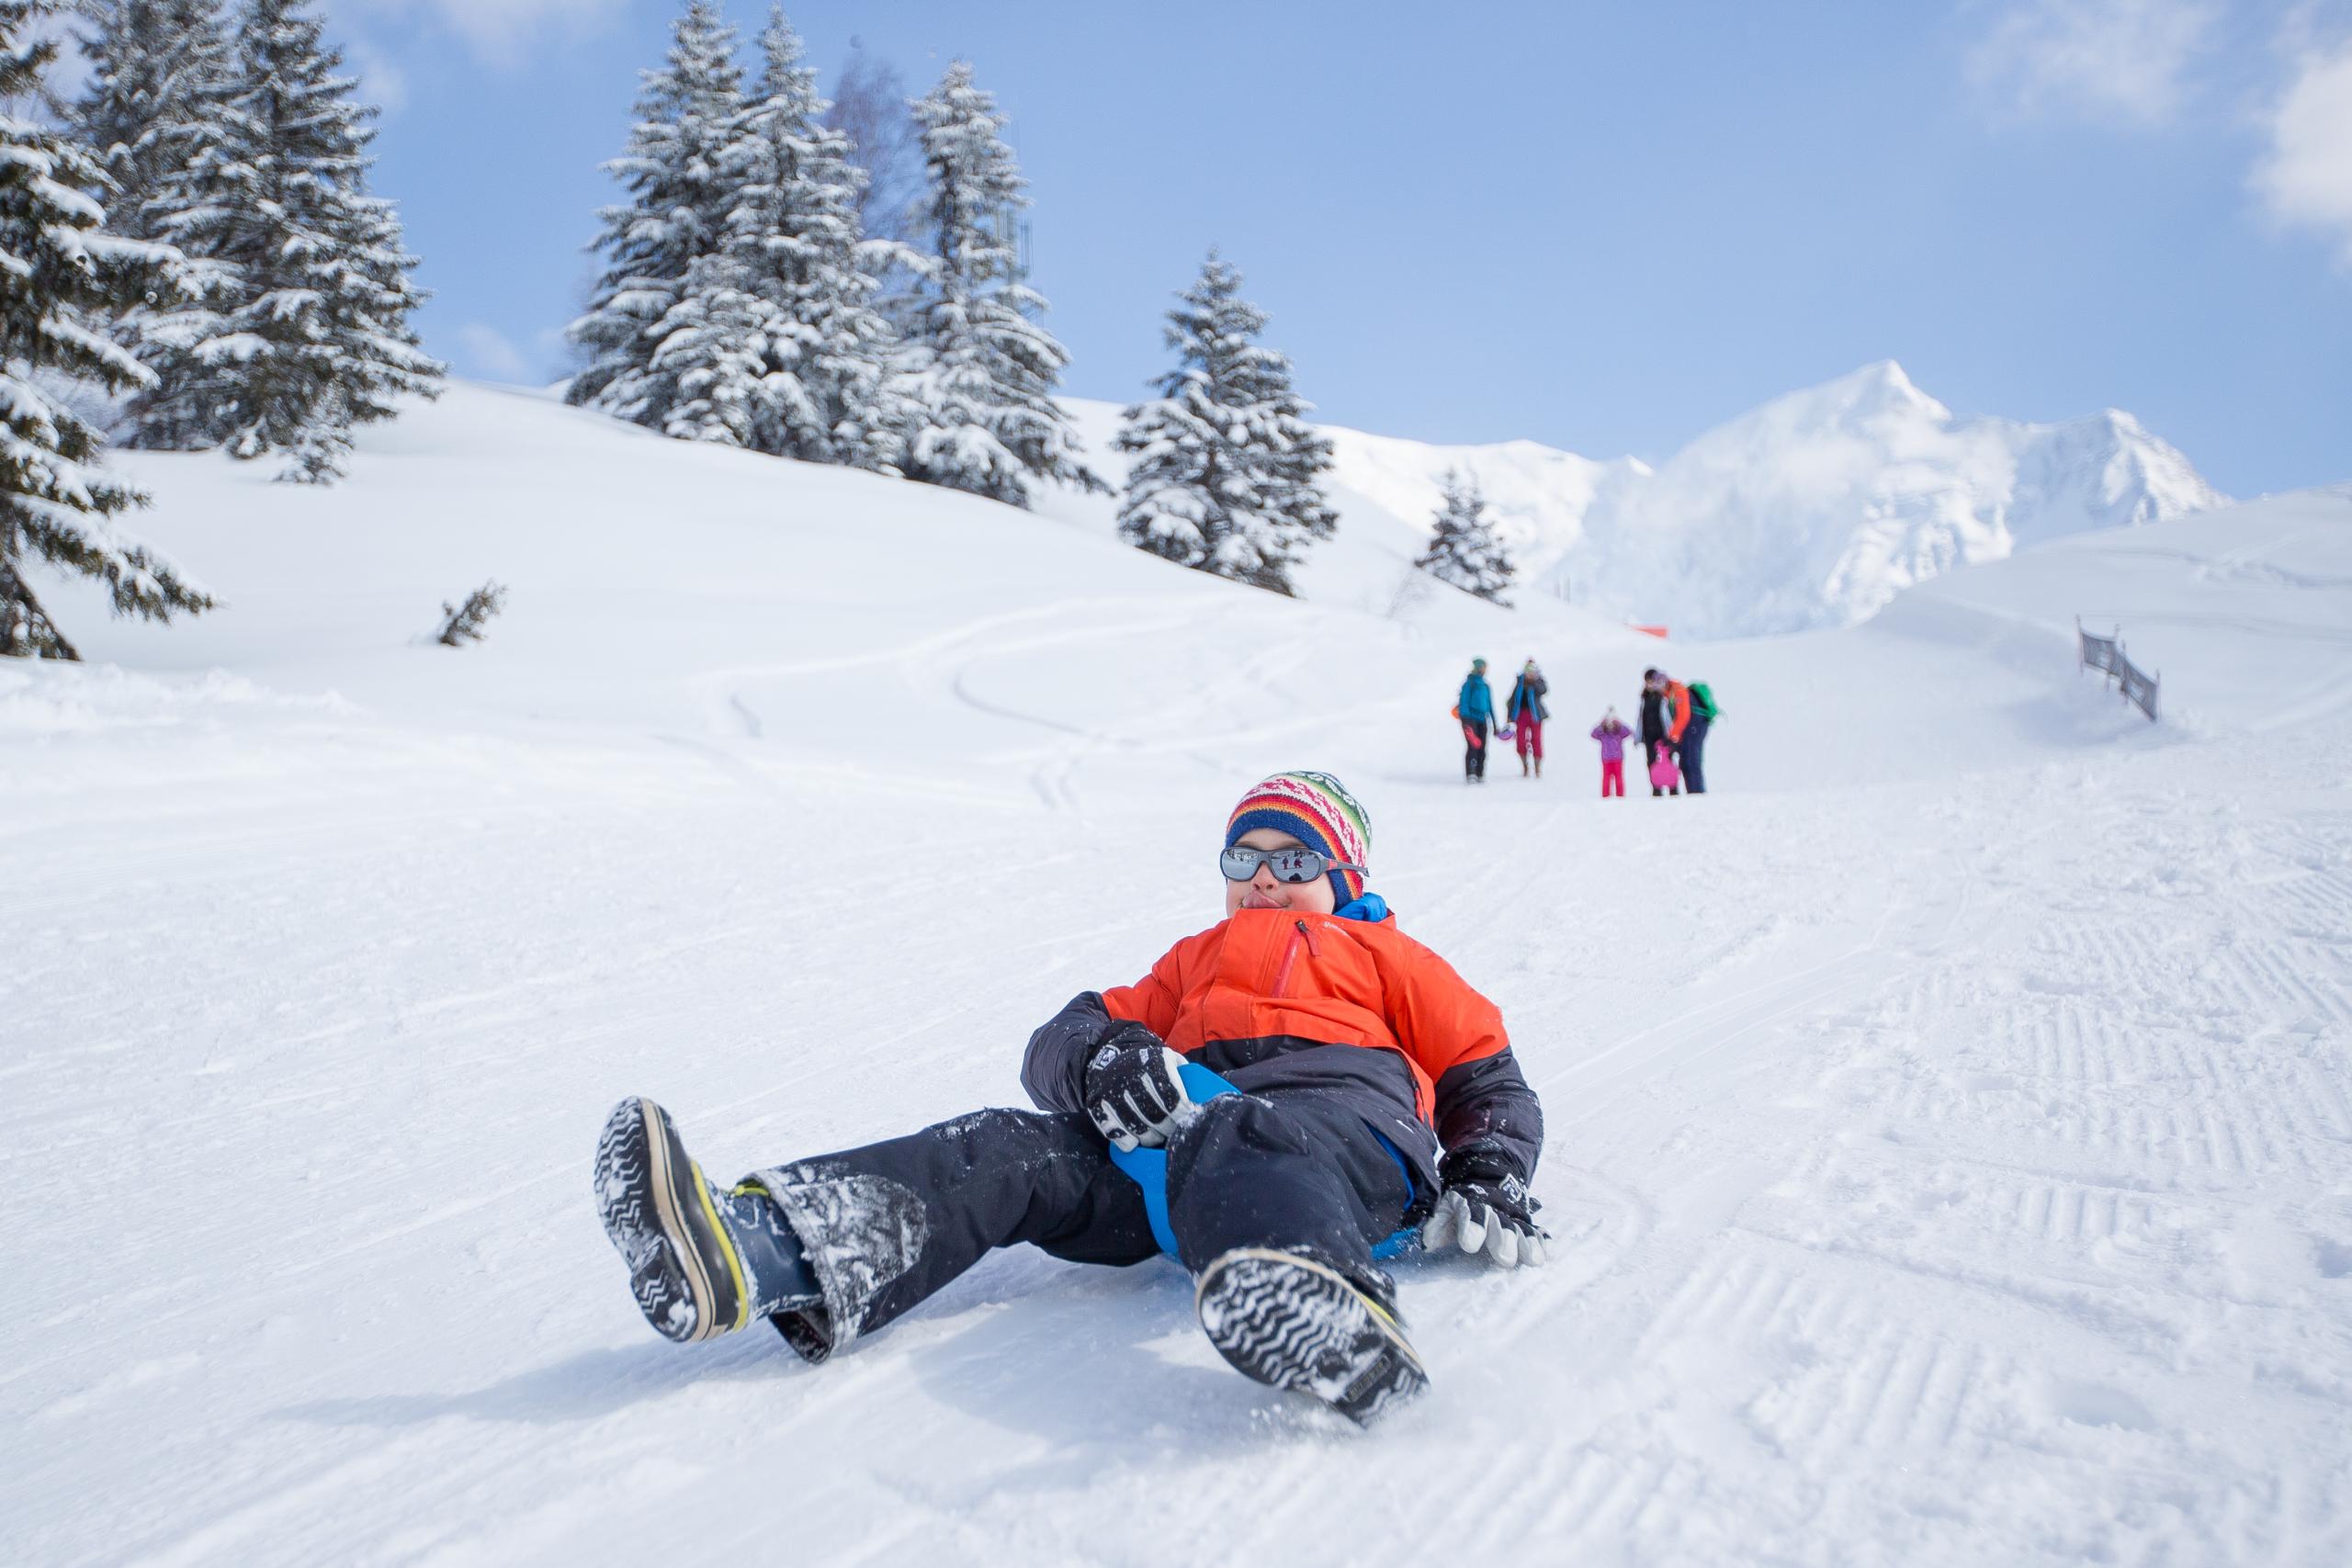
(1295, 1324)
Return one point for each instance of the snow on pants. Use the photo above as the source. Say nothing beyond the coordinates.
(1689, 754)
(1292, 1169)
(1529, 732)
(1473, 760)
(1612, 777)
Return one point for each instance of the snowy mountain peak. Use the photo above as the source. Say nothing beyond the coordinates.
(1820, 506)
(1875, 391)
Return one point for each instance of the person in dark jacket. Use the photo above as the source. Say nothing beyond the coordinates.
(1319, 1086)
(1476, 708)
(1655, 733)
(1526, 714)
(1690, 748)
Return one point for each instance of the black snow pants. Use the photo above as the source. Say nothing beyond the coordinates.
(1474, 756)
(887, 1224)
(1691, 756)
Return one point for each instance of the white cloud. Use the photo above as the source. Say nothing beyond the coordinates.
(382, 81)
(2304, 177)
(2109, 60)
(488, 352)
(498, 30)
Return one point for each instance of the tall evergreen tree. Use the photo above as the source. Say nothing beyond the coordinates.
(298, 328)
(1227, 473)
(981, 371)
(664, 246)
(775, 342)
(1464, 549)
(64, 279)
(319, 340)
(157, 112)
(158, 68)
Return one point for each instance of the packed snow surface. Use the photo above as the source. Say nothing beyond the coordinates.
(1950, 1155)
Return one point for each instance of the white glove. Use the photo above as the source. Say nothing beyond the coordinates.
(1490, 1217)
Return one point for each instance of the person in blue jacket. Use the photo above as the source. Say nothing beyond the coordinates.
(1476, 708)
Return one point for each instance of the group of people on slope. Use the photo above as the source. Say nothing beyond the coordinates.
(1674, 719)
(1522, 721)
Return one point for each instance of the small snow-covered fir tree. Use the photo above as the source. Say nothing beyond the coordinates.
(462, 624)
(981, 371)
(785, 352)
(1227, 473)
(64, 280)
(1464, 549)
(665, 271)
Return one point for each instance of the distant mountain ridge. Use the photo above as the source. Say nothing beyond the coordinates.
(1819, 507)
(1810, 510)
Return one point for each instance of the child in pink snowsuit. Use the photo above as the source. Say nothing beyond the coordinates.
(1612, 735)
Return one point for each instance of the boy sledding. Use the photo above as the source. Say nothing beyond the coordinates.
(1376, 1093)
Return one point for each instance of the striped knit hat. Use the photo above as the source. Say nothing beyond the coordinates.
(1317, 810)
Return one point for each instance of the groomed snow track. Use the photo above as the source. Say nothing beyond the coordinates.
(1950, 1158)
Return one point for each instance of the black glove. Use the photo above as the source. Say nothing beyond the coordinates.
(1133, 1088)
(1487, 1209)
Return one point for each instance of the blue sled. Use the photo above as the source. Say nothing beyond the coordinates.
(1148, 1170)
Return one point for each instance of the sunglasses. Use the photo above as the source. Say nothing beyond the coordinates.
(1241, 862)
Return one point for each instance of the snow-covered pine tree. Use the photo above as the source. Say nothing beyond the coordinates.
(157, 112)
(64, 281)
(664, 271)
(1227, 473)
(980, 371)
(318, 339)
(1464, 549)
(156, 69)
(781, 348)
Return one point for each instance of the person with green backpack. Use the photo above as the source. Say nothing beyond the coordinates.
(1691, 750)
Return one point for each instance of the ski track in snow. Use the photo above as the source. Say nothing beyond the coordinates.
(1949, 1151)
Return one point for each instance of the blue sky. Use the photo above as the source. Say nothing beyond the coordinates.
(1602, 226)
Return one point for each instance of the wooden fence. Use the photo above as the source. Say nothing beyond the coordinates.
(2106, 654)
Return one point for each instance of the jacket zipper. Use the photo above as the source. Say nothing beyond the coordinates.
(1289, 957)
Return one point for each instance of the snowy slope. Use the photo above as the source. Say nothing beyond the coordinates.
(1813, 511)
(1949, 1145)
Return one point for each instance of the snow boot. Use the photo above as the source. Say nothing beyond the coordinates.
(702, 1261)
(1289, 1319)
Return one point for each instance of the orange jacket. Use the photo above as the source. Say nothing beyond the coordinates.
(1276, 973)
(1678, 709)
